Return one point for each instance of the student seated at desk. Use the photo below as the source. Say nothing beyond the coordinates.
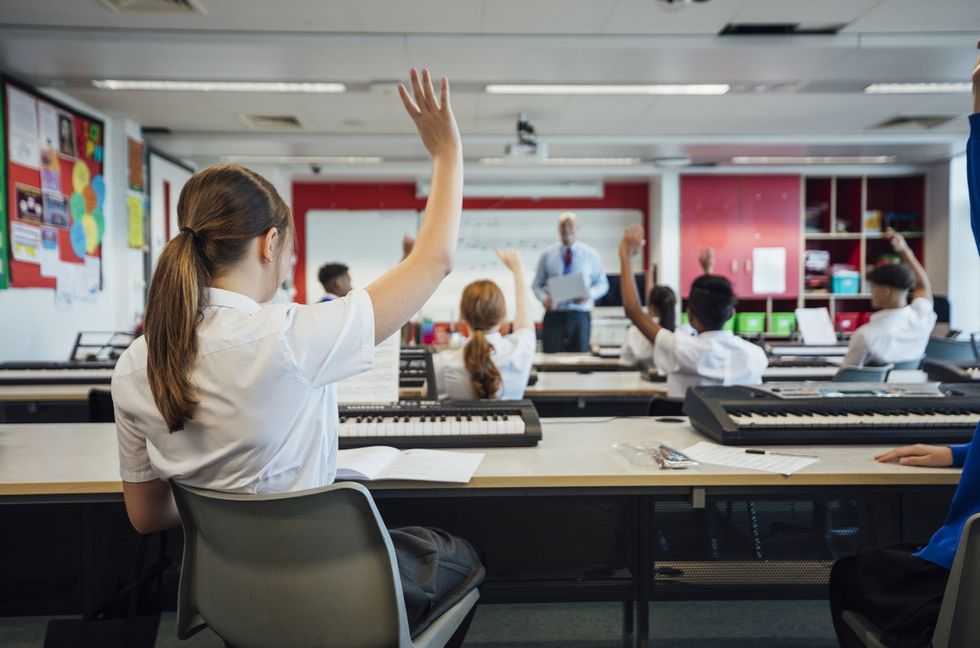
(900, 330)
(714, 356)
(335, 279)
(223, 394)
(900, 587)
(490, 365)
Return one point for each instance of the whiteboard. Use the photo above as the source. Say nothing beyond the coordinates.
(370, 243)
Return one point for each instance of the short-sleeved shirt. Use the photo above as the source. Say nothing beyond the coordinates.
(266, 419)
(512, 354)
(636, 347)
(711, 358)
(893, 335)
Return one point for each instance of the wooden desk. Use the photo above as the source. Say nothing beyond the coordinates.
(606, 393)
(582, 362)
(572, 520)
(22, 393)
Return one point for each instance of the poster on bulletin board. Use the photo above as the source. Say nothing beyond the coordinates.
(55, 193)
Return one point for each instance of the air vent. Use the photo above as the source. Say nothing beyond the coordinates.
(915, 121)
(780, 29)
(181, 6)
(271, 122)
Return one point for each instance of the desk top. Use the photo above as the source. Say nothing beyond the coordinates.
(71, 392)
(576, 362)
(568, 384)
(81, 459)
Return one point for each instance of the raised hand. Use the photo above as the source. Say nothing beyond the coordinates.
(898, 242)
(919, 455)
(433, 116)
(632, 241)
(511, 259)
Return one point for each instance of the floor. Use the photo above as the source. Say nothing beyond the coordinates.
(727, 624)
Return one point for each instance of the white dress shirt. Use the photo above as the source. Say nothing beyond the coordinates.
(893, 335)
(513, 356)
(637, 347)
(711, 358)
(267, 419)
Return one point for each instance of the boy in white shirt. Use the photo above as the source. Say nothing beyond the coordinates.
(490, 365)
(715, 356)
(900, 330)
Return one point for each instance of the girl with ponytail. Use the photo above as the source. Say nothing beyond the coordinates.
(225, 394)
(662, 308)
(490, 365)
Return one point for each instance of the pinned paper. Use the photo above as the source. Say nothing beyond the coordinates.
(80, 176)
(47, 122)
(134, 205)
(63, 285)
(23, 145)
(55, 209)
(48, 252)
(768, 270)
(29, 205)
(66, 135)
(25, 242)
(92, 275)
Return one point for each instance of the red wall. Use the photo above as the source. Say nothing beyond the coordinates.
(374, 196)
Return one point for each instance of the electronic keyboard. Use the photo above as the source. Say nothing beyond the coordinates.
(416, 369)
(952, 372)
(808, 413)
(56, 373)
(440, 424)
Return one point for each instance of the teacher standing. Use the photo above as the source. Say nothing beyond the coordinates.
(567, 325)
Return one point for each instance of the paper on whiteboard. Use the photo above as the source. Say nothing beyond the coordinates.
(768, 270)
(380, 384)
(815, 326)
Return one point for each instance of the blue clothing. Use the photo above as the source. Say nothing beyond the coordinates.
(584, 260)
(966, 501)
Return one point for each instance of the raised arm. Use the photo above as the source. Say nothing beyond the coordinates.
(631, 244)
(707, 260)
(522, 309)
(400, 292)
(922, 286)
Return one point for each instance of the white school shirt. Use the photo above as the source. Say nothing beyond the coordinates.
(893, 335)
(711, 358)
(512, 354)
(267, 418)
(637, 347)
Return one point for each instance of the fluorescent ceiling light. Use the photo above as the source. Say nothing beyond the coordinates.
(219, 86)
(565, 161)
(917, 88)
(522, 189)
(826, 159)
(303, 159)
(622, 89)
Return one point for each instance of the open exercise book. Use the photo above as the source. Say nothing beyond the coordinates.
(374, 463)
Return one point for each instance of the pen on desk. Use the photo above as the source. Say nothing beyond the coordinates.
(784, 454)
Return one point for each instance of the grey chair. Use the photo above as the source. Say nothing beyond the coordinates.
(958, 623)
(849, 373)
(907, 365)
(310, 568)
(951, 350)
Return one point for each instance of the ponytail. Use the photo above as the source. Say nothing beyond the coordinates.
(173, 310)
(665, 301)
(484, 375)
(221, 210)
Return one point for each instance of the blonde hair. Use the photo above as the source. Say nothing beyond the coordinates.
(483, 308)
(221, 209)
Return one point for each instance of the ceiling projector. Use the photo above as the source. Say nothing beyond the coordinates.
(527, 148)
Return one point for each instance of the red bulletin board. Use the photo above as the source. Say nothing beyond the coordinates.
(55, 188)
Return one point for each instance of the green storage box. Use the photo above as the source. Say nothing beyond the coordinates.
(750, 322)
(783, 323)
(729, 325)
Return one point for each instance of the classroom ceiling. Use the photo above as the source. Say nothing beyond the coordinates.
(791, 95)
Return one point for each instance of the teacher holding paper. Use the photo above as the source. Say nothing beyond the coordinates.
(569, 280)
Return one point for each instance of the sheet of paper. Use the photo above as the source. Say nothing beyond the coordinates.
(433, 465)
(380, 384)
(47, 119)
(93, 276)
(564, 287)
(23, 145)
(25, 242)
(134, 206)
(364, 463)
(63, 286)
(768, 270)
(815, 326)
(48, 252)
(712, 453)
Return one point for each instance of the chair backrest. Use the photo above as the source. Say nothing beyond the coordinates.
(950, 350)
(310, 568)
(100, 408)
(940, 304)
(959, 623)
(907, 365)
(862, 374)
